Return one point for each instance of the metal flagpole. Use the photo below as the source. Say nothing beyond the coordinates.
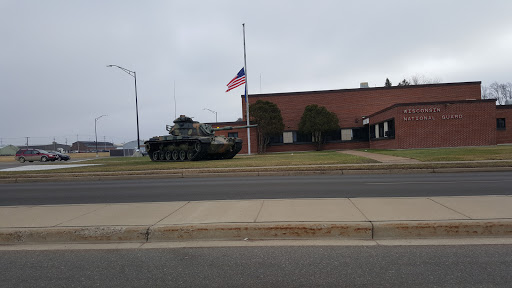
(247, 99)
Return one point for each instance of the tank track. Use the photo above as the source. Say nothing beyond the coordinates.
(177, 151)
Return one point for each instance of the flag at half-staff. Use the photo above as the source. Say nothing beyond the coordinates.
(237, 81)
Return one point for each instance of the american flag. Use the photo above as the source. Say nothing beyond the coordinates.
(237, 81)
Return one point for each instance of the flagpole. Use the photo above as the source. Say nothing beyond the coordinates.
(247, 98)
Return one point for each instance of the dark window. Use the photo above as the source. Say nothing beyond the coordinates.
(277, 139)
(372, 132)
(304, 137)
(500, 124)
(233, 134)
(333, 135)
(360, 133)
(391, 129)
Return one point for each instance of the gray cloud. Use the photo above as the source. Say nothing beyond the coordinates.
(53, 56)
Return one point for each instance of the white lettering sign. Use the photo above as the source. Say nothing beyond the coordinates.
(422, 110)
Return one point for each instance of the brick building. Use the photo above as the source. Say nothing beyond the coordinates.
(400, 117)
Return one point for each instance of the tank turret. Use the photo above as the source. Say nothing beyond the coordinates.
(189, 140)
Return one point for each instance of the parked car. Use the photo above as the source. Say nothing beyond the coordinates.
(60, 156)
(32, 155)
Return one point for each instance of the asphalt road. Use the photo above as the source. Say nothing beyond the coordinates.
(195, 189)
(309, 266)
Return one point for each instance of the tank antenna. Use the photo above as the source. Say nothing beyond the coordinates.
(174, 100)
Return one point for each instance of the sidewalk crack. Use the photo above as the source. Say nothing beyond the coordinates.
(170, 214)
(371, 223)
(105, 205)
(450, 208)
(261, 207)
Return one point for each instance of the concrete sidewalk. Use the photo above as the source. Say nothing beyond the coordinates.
(339, 218)
(382, 158)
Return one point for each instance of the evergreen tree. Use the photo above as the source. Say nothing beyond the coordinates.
(388, 83)
(270, 122)
(316, 120)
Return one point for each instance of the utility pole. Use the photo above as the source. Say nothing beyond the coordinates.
(77, 143)
(27, 141)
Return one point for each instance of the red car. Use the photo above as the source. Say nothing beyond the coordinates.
(32, 155)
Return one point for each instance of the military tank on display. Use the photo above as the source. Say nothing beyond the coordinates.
(189, 140)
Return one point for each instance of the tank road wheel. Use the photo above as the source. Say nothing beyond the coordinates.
(168, 155)
(190, 154)
(175, 155)
(155, 155)
(197, 146)
(183, 155)
(161, 155)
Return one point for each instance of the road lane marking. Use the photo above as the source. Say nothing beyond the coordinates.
(438, 182)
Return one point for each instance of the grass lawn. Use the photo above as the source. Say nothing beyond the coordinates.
(502, 152)
(118, 164)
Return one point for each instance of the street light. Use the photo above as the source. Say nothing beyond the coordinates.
(96, 134)
(134, 75)
(212, 112)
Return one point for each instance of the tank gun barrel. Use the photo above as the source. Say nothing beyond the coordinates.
(234, 127)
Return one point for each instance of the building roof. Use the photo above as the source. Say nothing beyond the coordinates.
(9, 150)
(360, 89)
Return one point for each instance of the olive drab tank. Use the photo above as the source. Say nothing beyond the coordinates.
(190, 140)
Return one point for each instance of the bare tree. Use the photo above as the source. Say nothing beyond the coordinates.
(485, 92)
(420, 79)
(499, 91)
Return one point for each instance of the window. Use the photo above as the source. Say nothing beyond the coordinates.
(372, 132)
(233, 134)
(381, 130)
(304, 138)
(500, 124)
(360, 133)
(390, 133)
(277, 139)
(332, 135)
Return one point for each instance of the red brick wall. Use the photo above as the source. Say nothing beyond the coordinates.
(351, 104)
(467, 123)
(504, 136)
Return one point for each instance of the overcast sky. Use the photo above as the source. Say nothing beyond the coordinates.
(53, 55)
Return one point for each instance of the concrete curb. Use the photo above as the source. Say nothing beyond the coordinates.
(442, 229)
(233, 231)
(73, 234)
(263, 231)
(78, 178)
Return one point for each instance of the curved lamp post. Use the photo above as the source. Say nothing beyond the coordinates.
(134, 75)
(95, 133)
(214, 112)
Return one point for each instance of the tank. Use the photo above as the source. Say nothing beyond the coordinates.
(189, 140)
